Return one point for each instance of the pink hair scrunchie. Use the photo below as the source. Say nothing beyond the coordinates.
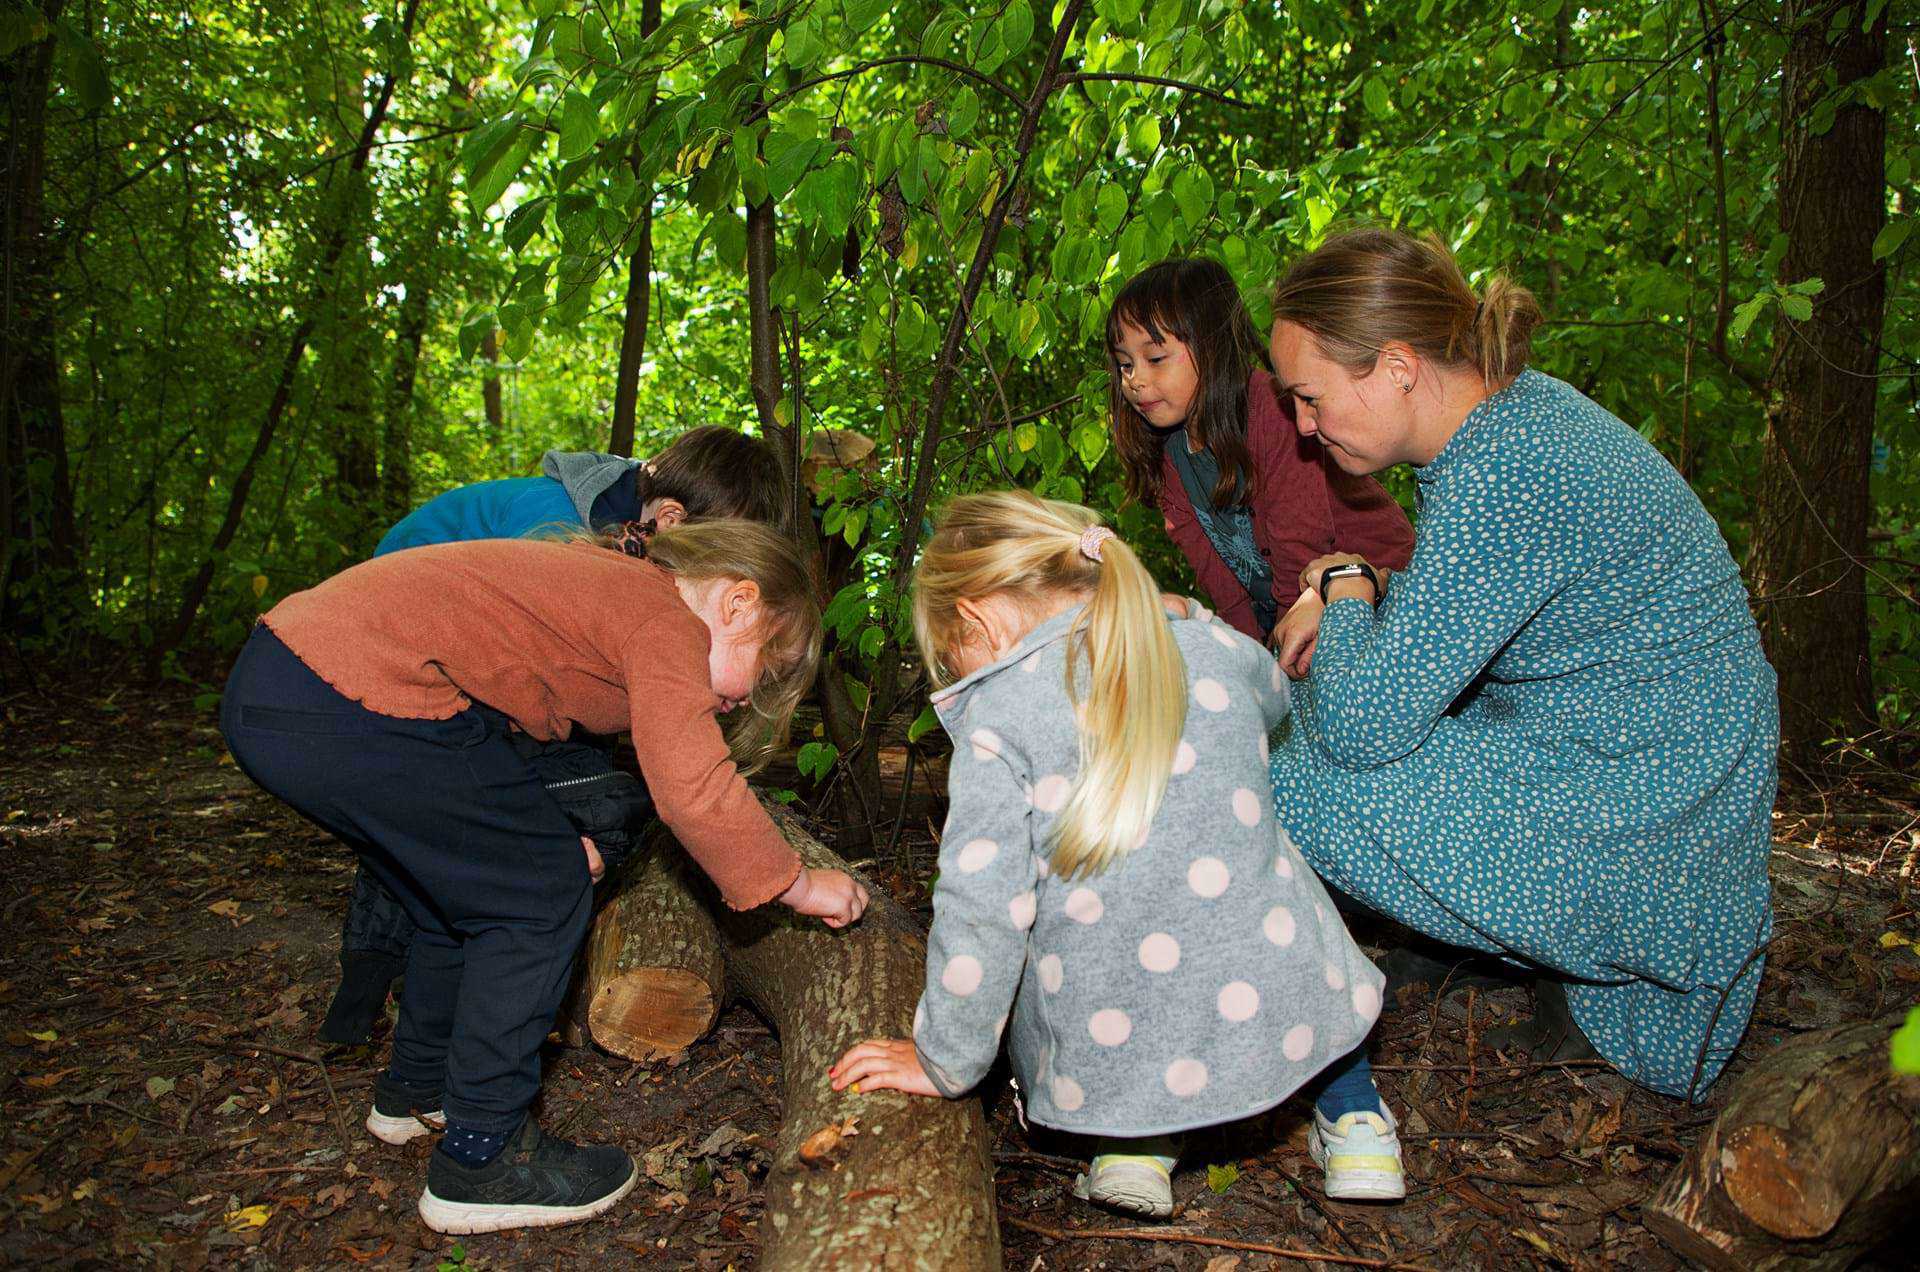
(1090, 540)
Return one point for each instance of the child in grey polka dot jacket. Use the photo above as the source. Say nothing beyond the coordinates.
(1114, 894)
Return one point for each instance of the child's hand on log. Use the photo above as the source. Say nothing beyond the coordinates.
(883, 1064)
(595, 866)
(832, 896)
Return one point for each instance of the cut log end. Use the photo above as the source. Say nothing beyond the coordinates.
(652, 1013)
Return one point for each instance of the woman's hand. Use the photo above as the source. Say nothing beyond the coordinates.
(1297, 632)
(882, 1064)
(1356, 585)
(832, 896)
(596, 868)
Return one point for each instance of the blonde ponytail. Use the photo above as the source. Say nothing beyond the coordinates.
(1120, 651)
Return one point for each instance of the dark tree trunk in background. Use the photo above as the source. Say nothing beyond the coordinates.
(633, 331)
(36, 491)
(333, 244)
(396, 440)
(1812, 505)
(490, 386)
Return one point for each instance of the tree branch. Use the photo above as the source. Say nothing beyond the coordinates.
(958, 68)
(1081, 77)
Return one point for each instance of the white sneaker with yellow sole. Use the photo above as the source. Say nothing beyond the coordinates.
(1360, 1153)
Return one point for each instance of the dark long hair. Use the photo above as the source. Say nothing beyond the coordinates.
(1196, 301)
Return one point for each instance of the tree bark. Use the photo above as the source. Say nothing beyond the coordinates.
(633, 328)
(333, 245)
(1814, 1161)
(652, 979)
(490, 387)
(1812, 504)
(36, 490)
(913, 1186)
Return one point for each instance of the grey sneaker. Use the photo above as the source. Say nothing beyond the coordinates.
(537, 1181)
(1132, 1184)
(402, 1113)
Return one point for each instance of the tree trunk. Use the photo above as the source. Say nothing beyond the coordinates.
(1812, 505)
(36, 491)
(490, 387)
(1814, 1161)
(396, 441)
(859, 795)
(652, 980)
(912, 1186)
(633, 329)
(333, 244)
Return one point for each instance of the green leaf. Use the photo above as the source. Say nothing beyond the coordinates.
(1745, 313)
(579, 125)
(1145, 135)
(1110, 208)
(862, 14)
(82, 67)
(474, 331)
(871, 641)
(1378, 100)
(488, 179)
(1221, 1178)
(815, 759)
(1891, 236)
(1796, 306)
(1015, 28)
(922, 723)
(1193, 191)
(157, 1087)
(962, 112)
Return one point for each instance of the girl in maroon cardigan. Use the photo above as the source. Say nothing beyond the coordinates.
(1205, 437)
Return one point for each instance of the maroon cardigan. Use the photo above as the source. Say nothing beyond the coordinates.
(1304, 507)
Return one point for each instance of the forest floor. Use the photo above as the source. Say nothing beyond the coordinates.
(170, 949)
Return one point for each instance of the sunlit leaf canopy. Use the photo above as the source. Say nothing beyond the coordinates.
(1619, 160)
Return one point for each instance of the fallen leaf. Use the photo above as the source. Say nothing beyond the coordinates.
(1221, 1178)
(818, 1148)
(41, 1081)
(158, 1166)
(46, 1203)
(380, 1188)
(229, 1105)
(157, 1087)
(44, 1035)
(247, 1218)
(1223, 1263)
(364, 1256)
(1535, 1240)
(335, 1195)
(228, 909)
(86, 1189)
(670, 1201)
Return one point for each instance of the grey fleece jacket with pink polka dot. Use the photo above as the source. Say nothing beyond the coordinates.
(1203, 977)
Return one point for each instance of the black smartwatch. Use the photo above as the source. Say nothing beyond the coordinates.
(1351, 570)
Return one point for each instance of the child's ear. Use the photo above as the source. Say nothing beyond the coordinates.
(668, 513)
(740, 600)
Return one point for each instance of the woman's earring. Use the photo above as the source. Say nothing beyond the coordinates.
(1406, 386)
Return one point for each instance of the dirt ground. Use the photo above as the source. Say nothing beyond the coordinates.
(169, 949)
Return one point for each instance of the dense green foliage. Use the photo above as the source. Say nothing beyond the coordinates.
(1620, 160)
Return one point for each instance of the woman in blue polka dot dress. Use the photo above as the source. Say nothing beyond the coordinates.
(1555, 737)
(1110, 873)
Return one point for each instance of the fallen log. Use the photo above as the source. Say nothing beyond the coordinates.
(857, 1181)
(651, 980)
(1813, 1163)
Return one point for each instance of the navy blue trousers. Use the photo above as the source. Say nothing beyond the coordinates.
(451, 819)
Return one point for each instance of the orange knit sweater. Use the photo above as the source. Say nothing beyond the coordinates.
(550, 634)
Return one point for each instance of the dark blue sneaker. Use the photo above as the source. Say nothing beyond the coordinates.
(537, 1181)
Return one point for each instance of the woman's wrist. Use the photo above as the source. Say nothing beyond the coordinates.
(1355, 586)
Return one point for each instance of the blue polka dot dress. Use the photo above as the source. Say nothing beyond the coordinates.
(1556, 738)
(1202, 977)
